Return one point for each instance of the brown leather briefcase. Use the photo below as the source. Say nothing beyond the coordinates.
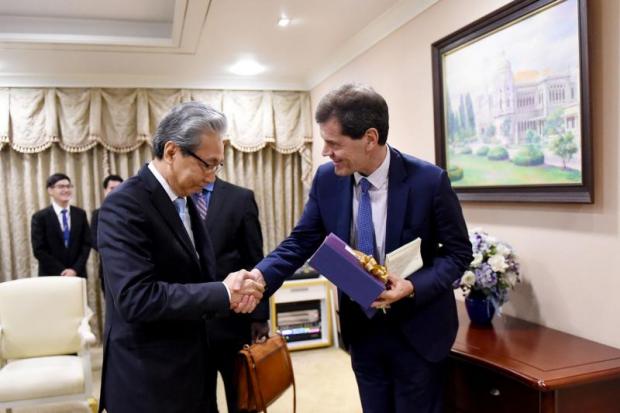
(264, 372)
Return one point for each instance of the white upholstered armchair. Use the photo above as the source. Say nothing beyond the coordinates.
(44, 341)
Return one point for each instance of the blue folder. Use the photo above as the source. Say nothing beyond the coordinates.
(340, 266)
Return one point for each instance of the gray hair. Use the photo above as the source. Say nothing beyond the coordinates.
(185, 124)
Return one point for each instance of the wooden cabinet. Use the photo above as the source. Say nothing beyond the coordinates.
(516, 366)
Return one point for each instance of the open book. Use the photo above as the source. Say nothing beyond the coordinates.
(405, 260)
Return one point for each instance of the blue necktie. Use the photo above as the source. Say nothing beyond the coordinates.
(206, 193)
(179, 204)
(65, 227)
(365, 229)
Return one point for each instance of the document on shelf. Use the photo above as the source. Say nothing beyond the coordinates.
(405, 260)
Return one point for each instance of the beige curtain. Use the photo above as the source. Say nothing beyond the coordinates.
(276, 179)
(22, 179)
(90, 133)
(121, 120)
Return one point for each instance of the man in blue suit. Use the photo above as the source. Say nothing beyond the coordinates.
(159, 272)
(378, 199)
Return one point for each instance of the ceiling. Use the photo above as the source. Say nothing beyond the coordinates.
(189, 43)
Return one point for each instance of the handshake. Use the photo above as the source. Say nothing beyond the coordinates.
(246, 290)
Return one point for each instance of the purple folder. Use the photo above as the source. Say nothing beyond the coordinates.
(341, 267)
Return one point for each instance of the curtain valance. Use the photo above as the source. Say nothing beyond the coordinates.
(124, 119)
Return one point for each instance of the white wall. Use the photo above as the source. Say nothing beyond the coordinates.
(570, 254)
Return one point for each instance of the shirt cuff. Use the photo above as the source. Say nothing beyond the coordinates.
(228, 292)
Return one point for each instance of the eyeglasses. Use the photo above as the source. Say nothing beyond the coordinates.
(63, 186)
(205, 165)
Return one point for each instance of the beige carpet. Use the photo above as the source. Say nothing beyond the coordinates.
(325, 383)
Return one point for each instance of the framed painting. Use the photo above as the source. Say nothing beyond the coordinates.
(511, 102)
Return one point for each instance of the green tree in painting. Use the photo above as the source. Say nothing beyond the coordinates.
(506, 127)
(461, 124)
(489, 133)
(466, 122)
(452, 122)
(563, 145)
(462, 115)
(554, 124)
(532, 138)
(471, 117)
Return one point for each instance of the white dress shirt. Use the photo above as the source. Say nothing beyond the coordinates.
(378, 202)
(187, 223)
(58, 210)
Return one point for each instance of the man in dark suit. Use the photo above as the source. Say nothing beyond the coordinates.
(231, 216)
(378, 199)
(160, 275)
(60, 234)
(110, 183)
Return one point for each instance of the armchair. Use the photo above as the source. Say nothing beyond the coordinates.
(44, 341)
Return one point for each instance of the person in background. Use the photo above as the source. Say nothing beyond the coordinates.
(59, 234)
(110, 183)
(159, 272)
(231, 217)
(377, 199)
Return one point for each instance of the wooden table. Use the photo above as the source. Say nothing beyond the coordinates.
(517, 366)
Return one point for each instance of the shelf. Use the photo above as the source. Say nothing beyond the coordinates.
(308, 306)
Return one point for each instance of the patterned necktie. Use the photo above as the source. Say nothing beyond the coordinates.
(201, 203)
(365, 229)
(65, 227)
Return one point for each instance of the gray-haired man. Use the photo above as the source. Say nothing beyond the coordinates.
(159, 272)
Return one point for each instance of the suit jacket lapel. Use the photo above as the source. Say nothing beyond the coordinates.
(166, 208)
(203, 242)
(216, 200)
(344, 204)
(75, 223)
(398, 192)
(51, 215)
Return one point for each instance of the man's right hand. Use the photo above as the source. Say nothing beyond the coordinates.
(245, 292)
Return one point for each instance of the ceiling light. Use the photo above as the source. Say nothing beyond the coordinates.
(284, 21)
(247, 67)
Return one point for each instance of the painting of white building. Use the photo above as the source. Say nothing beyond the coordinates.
(513, 103)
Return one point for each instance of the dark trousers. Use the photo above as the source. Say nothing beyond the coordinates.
(391, 376)
(222, 356)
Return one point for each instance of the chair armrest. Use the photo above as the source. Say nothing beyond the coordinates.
(86, 334)
(1, 358)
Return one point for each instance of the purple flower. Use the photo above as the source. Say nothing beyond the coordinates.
(485, 276)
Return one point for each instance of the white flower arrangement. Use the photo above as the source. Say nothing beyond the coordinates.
(493, 271)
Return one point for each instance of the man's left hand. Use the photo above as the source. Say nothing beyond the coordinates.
(69, 272)
(260, 330)
(398, 288)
